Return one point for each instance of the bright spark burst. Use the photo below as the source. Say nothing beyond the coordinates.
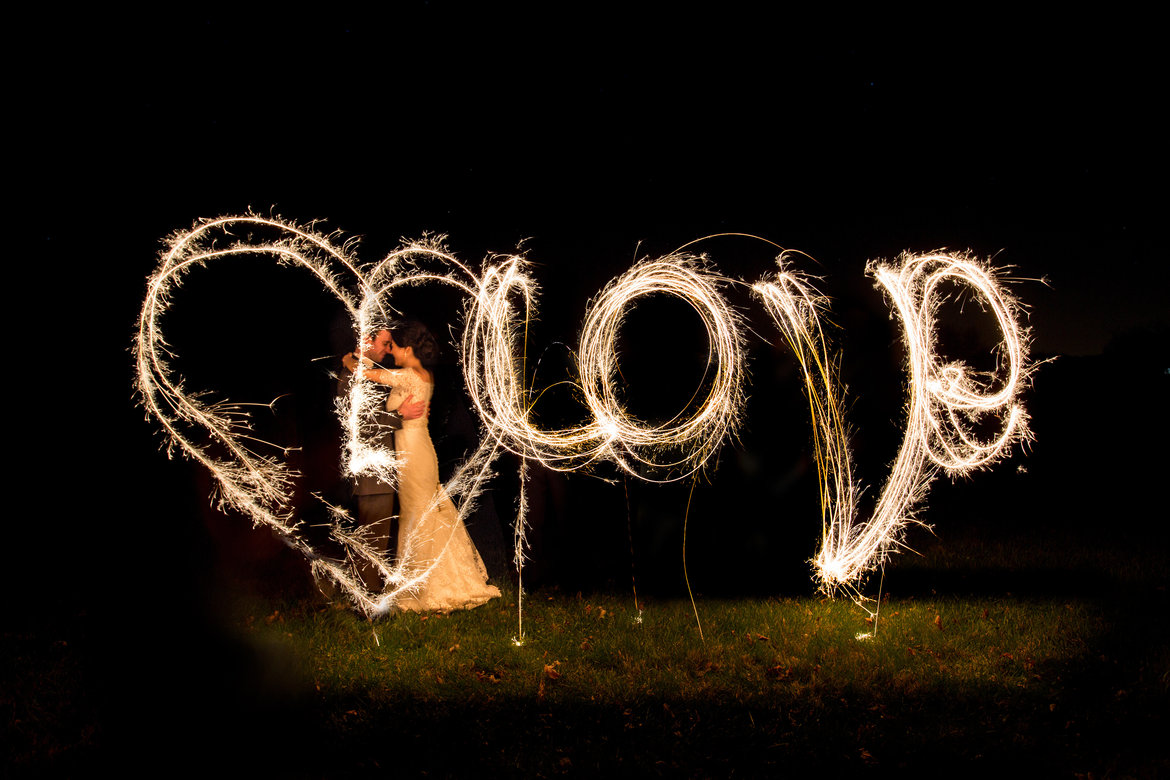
(259, 485)
(946, 400)
(671, 450)
(798, 309)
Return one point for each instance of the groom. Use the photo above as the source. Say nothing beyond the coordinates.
(375, 498)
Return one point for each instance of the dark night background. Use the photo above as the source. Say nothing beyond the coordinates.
(592, 140)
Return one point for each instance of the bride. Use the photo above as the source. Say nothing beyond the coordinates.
(431, 535)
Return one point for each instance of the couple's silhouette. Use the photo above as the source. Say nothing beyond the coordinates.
(432, 547)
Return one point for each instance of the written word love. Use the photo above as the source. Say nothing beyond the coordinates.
(948, 401)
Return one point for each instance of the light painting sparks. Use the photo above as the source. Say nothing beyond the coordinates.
(945, 399)
(797, 308)
(668, 451)
(259, 485)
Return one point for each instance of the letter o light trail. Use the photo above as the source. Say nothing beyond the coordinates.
(611, 434)
(946, 401)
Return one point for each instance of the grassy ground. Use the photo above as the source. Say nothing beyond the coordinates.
(1013, 654)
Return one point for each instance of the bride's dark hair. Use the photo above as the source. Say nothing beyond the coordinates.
(413, 334)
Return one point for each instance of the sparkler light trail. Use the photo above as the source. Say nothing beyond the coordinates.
(496, 388)
(946, 402)
(797, 308)
(489, 352)
(218, 437)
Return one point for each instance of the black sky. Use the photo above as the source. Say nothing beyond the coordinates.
(593, 134)
(595, 139)
(848, 140)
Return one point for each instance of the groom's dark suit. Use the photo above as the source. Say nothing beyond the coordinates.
(375, 498)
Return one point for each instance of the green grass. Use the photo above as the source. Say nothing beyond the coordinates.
(971, 682)
(593, 648)
(1033, 656)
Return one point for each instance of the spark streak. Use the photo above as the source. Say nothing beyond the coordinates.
(797, 308)
(945, 400)
(611, 434)
(259, 485)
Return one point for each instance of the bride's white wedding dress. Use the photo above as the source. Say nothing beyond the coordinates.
(430, 533)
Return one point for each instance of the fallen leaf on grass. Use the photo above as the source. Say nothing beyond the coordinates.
(550, 674)
(938, 622)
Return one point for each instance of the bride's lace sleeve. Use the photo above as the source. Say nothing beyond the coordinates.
(396, 378)
(383, 376)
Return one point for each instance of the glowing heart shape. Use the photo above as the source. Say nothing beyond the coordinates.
(256, 483)
(945, 398)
